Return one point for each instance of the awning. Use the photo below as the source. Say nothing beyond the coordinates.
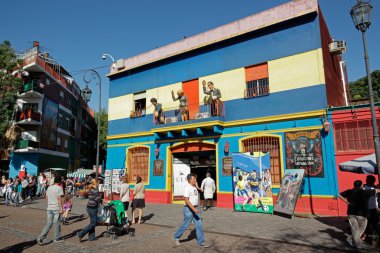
(362, 165)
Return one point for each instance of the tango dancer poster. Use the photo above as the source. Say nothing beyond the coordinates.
(288, 193)
(252, 182)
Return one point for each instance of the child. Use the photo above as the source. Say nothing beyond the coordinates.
(67, 205)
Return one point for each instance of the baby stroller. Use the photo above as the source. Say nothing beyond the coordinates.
(113, 217)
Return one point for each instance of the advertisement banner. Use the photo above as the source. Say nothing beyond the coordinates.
(252, 182)
(288, 193)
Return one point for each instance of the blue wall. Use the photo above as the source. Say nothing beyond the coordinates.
(30, 161)
(273, 43)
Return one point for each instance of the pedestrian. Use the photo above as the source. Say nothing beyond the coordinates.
(25, 188)
(138, 199)
(208, 188)
(67, 206)
(125, 196)
(17, 189)
(373, 217)
(54, 196)
(191, 213)
(8, 191)
(39, 184)
(94, 200)
(357, 201)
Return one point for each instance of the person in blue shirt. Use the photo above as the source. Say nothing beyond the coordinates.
(158, 112)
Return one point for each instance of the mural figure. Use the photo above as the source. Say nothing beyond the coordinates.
(214, 97)
(183, 104)
(158, 114)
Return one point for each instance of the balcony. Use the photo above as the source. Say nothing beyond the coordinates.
(203, 120)
(28, 117)
(22, 144)
(32, 89)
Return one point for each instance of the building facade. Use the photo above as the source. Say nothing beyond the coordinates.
(276, 76)
(55, 127)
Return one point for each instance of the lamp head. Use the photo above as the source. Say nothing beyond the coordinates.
(103, 56)
(361, 15)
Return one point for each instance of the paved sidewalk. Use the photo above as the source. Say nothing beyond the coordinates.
(328, 232)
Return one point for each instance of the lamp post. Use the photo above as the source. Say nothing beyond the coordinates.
(86, 94)
(361, 16)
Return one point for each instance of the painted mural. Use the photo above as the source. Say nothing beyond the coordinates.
(304, 151)
(49, 129)
(289, 190)
(252, 182)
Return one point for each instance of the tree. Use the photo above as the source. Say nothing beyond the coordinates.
(103, 133)
(359, 88)
(9, 86)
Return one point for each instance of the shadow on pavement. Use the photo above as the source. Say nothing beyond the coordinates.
(76, 218)
(20, 247)
(147, 217)
(1, 217)
(191, 236)
(337, 222)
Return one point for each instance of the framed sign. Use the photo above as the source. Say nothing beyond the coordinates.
(227, 166)
(158, 167)
(304, 151)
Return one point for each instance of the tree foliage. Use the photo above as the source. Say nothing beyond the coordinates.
(359, 88)
(103, 132)
(9, 86)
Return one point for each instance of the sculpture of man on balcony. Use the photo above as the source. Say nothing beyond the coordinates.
(214, 97)
(183, 104)
(158, 114)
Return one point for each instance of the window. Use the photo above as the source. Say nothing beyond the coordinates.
(354, 136)
(257, 80)
(139, 105)
(60, 119)
(62, 95)
(31, 106)
(138, 163)
(267, 144)
(257, 88)
(58, 141)
(66, 144)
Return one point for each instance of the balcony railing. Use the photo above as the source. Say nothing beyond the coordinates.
(33, 85)
(262, 90)
(173, 114)
(28, 115)
(27, 144)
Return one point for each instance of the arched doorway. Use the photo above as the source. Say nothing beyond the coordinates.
(195, 157)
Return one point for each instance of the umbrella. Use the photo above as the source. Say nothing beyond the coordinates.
(80, 173)
(362, 165)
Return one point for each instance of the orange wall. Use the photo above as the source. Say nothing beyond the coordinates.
(256, 72)
(191, 89)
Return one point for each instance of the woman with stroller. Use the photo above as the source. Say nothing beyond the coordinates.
(138, 200)
(94, 199)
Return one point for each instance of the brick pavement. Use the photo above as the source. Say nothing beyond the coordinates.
(228, 231)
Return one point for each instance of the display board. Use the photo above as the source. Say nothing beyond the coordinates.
(112, 181)
(252, 182)
(180, 172)
(288, 193)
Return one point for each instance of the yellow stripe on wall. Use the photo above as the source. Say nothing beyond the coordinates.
(296, 71)
(120, 107)
(231, 84)
(163, 96)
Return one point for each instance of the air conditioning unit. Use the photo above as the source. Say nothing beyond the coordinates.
(171, 120)
(202, 115)
(337, 47)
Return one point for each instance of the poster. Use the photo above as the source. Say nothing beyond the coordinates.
(252, 182)
(158, 167)
(227, 166)
(288, 192)
(304, 151)
(50, 122)
(180, 172)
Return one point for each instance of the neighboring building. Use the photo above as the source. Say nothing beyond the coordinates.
(276, 75)
(56, 128)
(353, 134)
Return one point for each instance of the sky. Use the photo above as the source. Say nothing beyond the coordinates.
(77, 32)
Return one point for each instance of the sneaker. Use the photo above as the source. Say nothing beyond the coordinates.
(39, 241)
(205, 245)
(176, 241)
(79, 238)
(59, 240)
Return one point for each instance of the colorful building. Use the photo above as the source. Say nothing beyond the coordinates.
(55, 128)
(276, 75)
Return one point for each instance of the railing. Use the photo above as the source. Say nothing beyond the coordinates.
(32, 85)
(28, 114)
(173, 114)
(257, 91)
(27, 144)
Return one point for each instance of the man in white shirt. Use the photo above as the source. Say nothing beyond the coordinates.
(191, 213)
(208, 188)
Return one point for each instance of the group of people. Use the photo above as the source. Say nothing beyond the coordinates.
(213, 99)
(362, 210)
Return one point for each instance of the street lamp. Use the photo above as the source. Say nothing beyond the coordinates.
(104, 56)
(86, 94)
(361, 15)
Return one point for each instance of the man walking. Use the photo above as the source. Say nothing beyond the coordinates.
(54, 196)
(357, 201)
(191, 213)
